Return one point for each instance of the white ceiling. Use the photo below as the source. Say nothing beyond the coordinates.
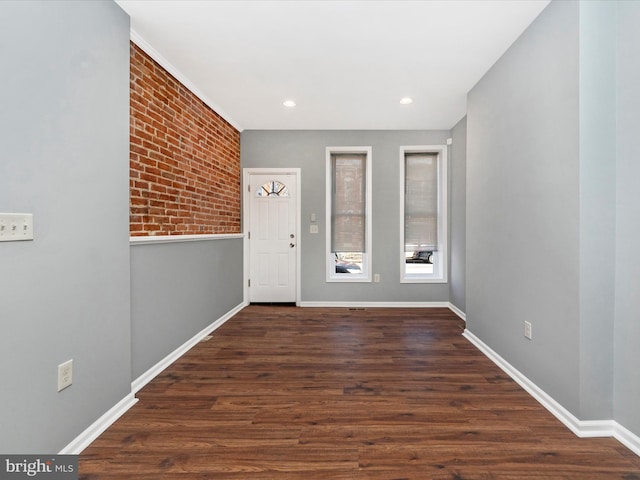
(345, 63)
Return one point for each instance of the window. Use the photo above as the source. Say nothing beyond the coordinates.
(423, 214)
(348, 214)
(273, 188)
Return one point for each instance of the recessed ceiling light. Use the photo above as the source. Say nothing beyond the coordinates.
(289, 103)
(406, 100)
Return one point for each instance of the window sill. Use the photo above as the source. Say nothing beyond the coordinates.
(348, 279)
(423, 280)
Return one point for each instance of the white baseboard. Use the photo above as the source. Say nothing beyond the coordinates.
(376, 304)
(627, 438)
(83, 440)
(457, 311)
(581, 428)
(448, 305)
(154, 371)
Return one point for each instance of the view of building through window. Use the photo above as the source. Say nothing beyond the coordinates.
(349, 262)
(348, 208)
(423, 213)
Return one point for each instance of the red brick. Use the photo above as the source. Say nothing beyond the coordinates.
(185, 158)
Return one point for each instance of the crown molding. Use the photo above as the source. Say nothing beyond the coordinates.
(169, 67)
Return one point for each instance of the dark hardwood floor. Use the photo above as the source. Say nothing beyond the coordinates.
(308, 393)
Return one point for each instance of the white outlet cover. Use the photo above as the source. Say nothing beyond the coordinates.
(65, 375)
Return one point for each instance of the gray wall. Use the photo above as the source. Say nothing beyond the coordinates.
(64, 119)
(551, 197)
(177, 289)
(306, 150)
(458, 208)
(597, 206)
(533, 220)
(627, 257)
(523, 206)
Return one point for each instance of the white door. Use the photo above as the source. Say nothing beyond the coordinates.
(272, 237)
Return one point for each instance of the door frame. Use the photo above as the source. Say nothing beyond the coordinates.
(246, 221)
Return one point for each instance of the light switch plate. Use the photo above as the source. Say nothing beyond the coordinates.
(527, 330)
(16, 226)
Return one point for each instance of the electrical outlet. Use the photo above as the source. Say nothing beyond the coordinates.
(376, 278)
(527, 330)
(65, 375)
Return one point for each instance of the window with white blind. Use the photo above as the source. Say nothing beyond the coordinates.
(423, 214)
(348, 214)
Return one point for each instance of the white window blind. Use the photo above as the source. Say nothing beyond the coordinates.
(348, 202)
(421, 201)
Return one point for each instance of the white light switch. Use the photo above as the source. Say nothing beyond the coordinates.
(16, 226)
(314, 217)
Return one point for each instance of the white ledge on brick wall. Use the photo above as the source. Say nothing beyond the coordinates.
(142, 240)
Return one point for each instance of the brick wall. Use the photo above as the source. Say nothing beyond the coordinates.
(185, 158)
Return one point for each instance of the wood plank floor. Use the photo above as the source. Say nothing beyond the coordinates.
(308, 393)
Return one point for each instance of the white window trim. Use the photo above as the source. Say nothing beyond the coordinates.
(366, 276)
(440, 274)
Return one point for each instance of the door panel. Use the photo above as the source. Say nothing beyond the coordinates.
(263, 269)
(283, 221)
(262, 226)
(272, 242)
(283, 269)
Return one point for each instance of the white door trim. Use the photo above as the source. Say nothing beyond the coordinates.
(246, 220)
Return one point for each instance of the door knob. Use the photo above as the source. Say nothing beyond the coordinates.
(291, 236)
(291, 245)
